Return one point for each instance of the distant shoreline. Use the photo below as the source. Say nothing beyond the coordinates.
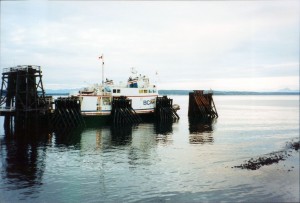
(186, 92)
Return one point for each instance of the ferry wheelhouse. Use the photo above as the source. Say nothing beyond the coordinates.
(96, 100)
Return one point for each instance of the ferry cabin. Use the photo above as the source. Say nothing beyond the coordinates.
(97, 100)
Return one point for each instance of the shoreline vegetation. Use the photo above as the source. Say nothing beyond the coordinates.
(186, 92)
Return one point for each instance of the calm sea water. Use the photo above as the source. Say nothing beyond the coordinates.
(179, 162)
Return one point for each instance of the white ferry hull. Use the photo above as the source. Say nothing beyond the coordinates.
(101, 105)
(97, 100)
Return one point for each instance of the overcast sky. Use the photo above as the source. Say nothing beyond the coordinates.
(220, 45)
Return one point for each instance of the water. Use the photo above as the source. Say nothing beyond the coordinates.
(178, 162)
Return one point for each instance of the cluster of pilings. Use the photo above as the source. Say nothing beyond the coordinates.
(201, 105)
(23, 97)
(22, 89)
(122, 112)
(67, 113)
(22, 94)
(164, 109)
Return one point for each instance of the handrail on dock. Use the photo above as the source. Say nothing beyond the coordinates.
(21, 67)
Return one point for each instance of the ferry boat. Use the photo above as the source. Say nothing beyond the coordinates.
(121, 103)
(96, 100)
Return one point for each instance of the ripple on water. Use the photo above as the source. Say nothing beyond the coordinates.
(151, 163)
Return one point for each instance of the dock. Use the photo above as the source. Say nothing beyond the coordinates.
(201, 104)
(23, 100)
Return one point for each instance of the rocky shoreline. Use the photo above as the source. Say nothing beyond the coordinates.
(271, 158)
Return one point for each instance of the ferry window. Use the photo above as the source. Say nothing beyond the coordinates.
(145, 91)
(154, 91)
(140, 91)
(114, 90)
(118, 90)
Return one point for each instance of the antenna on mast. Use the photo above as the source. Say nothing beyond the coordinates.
(102, 63)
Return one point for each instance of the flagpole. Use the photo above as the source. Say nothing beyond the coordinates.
(102, 61)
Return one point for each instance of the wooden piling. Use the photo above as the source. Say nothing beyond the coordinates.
(122, 112)
(164, 109)
(201, 104)
(67, 113)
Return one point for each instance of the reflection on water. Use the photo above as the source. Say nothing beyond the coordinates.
(23, 155)
(67, 137)
(201, 130)
(155, 162)
(24, 151)
(121, 135)
(164, 131)
(164, 128)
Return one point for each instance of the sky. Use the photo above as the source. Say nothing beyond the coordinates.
(219, 45)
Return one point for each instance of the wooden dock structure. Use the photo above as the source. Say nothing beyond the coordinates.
(164, 109)
(122, 111)
(22, 89)
(22, 94)
(67, 113)
(201, 104)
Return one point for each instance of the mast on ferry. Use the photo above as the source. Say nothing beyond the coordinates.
(102, 63)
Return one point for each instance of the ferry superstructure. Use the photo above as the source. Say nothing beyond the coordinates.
(96, 100)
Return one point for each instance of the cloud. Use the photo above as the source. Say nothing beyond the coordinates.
(183, 41)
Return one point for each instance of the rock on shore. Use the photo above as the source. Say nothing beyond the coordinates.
(268, 159)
